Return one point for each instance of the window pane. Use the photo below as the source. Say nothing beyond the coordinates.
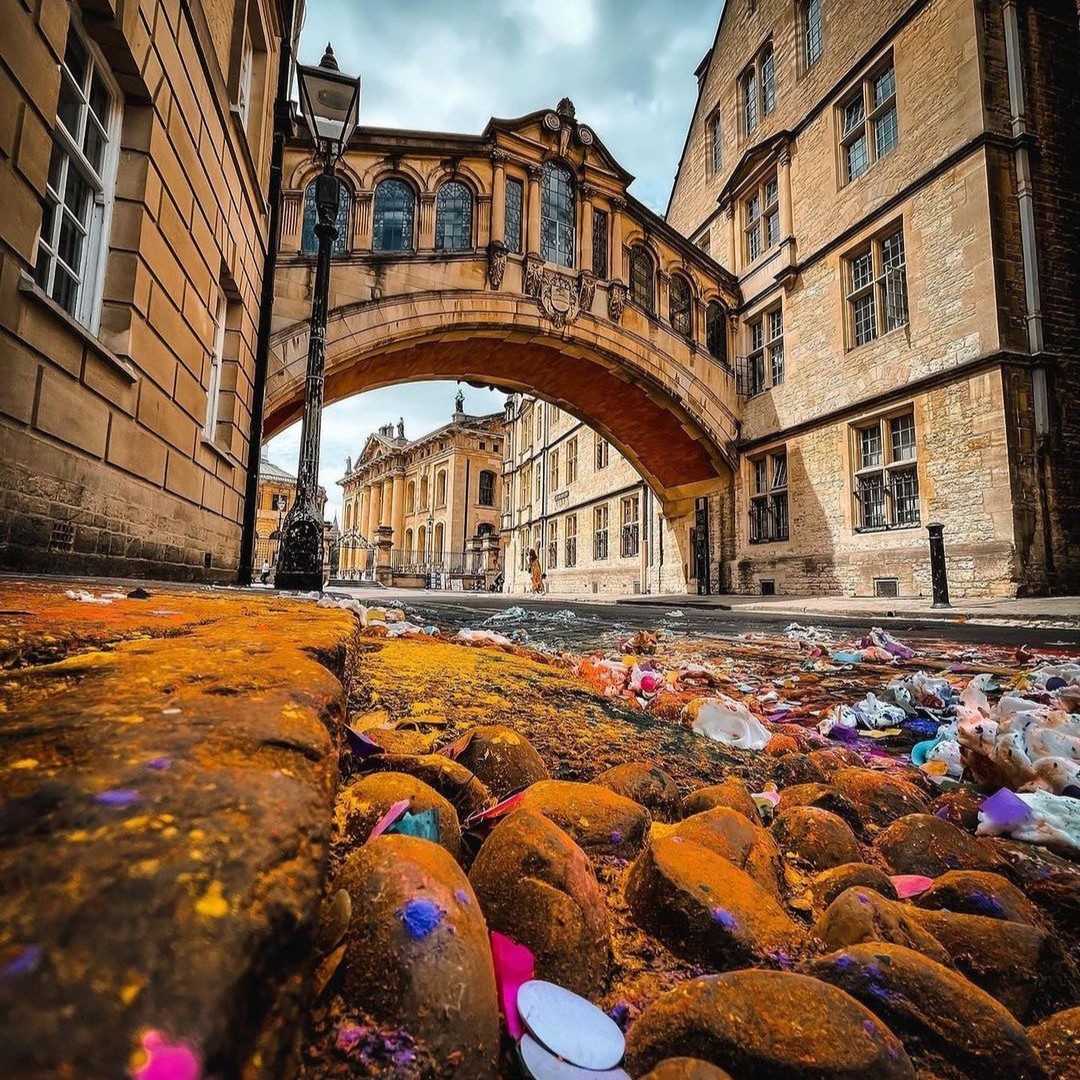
(864, 318)
(753, 209)
(872, 501)
(903, 437)
(69, 105)
(716, 144)
(453, 217)
(772, 192)
(772, 229)
(776, 324)
(869, 446)
(65, 289)
(757, 374)
(641, 278)
(768, 81)
(761, 474)
(892, 250)
(757, 338)
(858, 160)
(776, 363)
(557, 215)
(99, 99)
(779, 516)
(814, 42)
(779, 479)
(905, 490)
(75, 58)
(309, 241)
(514, 201)
(853, 114)
(754, 245)
(884, 87)
(750, 102)
(600, 243)
(862, 271)
(94, 144)
(393, 218)
(679, 302)
(886, 133)
(715, 332)
(71, 241)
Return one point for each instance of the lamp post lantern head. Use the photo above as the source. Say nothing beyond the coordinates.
(330, 104)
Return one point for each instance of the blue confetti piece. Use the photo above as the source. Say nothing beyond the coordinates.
(421, 917)
(424, 825)
(117, 797)
(26, 961)
(724, 918)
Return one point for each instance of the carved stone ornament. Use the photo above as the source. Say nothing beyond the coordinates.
(552, 122)
(531, 276)
(496, 264)
(562, 298)
(585, 135)
(616, 300)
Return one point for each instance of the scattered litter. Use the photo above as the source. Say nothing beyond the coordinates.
(909, 885)
(730, 722)
(483, 637)
(569, 1026)
(539, 1063)
(162, 1059)
(392, 814)
(514, 965)
(360, 745)
(881, 639)
(85, 597)
(159, 764)
(117, 797)
(1053, 820)
(139, 594)
(378, 1047)
(421, 918)
(424, 825)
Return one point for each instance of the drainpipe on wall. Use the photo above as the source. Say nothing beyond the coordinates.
(282, 123)
(1025, 193)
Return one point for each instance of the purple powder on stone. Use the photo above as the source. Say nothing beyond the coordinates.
(870, 1028)
(620, 1013)
(117, 797)
(843, 962)
(349, 1036)
(1005, 809)
(160, 764)
(986, 903)
(724, 918)
(942, 812)
(463, 896)
(863, 899)
(24, 962)
(421, 917)
(616, 837)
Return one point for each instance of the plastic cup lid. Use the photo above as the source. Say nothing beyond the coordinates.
(571, 1027)
(541, 1064)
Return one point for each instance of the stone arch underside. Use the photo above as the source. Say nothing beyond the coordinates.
(671, 426)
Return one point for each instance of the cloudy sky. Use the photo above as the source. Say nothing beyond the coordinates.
(449, 65)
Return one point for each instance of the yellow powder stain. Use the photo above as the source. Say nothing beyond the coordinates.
(130, 992)
(212, 904)
(196, 835)
(131, 718)
(140, 821)
(26, 763)
(78, 836)
(145, 867)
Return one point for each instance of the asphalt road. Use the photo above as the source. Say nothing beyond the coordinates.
(581, 625)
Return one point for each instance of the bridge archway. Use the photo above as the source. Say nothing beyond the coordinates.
(647, 368)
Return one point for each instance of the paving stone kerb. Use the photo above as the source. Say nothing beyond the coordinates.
(188, 906)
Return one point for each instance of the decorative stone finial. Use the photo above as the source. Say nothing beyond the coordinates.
(566, 109)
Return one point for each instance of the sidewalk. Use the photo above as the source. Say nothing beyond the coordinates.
(1063, 611)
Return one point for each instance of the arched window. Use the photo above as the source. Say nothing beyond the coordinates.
(716, 332)
(440, 488)
(410, 500)
(487, 488)
(557, 214)
(394, 204)
(680, 306)
(408, 545)
(642, 276)
(485, 529)
(438, 542)
(423, 492)
(309, 242)
(453, 217)
(421, 543)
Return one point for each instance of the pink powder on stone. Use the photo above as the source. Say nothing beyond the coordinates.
(167, 1060)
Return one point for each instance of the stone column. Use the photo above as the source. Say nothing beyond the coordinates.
(385, 501)
(397, 508)
(374, 493)
(586, 230)
(427, 221)
(784, 184)
(498, 197)
(663, 296)
(734, 251)
(616, 269)
(532, 232)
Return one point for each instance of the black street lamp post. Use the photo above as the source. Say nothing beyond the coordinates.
(330, 104)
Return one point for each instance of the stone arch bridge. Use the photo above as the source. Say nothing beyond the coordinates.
(516, 259)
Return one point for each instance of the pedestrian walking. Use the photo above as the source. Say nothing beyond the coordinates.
(536, 572)
(264, 577)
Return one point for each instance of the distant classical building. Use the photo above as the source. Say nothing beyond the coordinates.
(570, 496)
(432, 503)
(134, 165)
(277, 490)
(894, 184)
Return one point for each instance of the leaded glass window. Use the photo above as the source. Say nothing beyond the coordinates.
(886, 480)
(716, 332)
(812, 30)
(453, 217)
(309, 242)
(870, 124)
(641, 278)
(600, 243)
(679, 306)
(515, 198)
(394, 212)
(557, 214)
(768, 81)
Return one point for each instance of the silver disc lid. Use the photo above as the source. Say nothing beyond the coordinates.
(542, 1064)
(571, 1027)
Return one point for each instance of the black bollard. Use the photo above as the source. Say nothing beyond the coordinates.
(939, 578)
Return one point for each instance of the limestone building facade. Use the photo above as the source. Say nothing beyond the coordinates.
(571, 497)
(894, 184)
(134, 160)
(433, 502)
